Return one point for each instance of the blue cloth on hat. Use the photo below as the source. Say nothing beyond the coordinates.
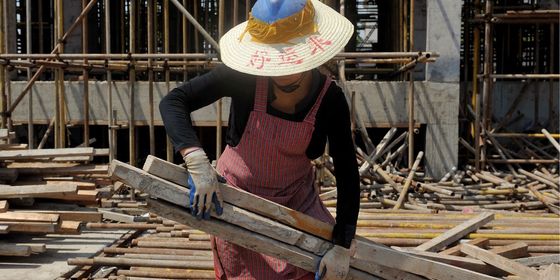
(270, 11)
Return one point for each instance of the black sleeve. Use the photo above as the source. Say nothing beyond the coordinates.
(176, 107)
(341, 148)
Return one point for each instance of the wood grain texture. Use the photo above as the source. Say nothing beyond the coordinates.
(456, 233)
(243, 199)
(36, 190)
(500, 262)
(46, 153)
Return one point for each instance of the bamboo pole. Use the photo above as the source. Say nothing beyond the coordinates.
(28, 28)
(166, 38)
(185, 42)
(110, 118)
(151, 12)
(62, 96)
(221, 16)
(551, 139)
(132, 9)
(476, 94)
(85, 74)
(411, 120)
(488, 70)
(197, 25)
(3, 99)
(404, 192)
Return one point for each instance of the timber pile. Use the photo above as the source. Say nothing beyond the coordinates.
(384, 185)
(161, 250)
(41, 194)
(275, 230)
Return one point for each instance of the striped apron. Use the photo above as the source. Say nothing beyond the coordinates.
(270, 161)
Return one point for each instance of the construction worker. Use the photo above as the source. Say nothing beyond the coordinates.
(283, 111)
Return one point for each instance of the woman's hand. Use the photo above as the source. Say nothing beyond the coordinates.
(203, 181)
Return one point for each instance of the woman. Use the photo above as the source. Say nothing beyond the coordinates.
(282, 113)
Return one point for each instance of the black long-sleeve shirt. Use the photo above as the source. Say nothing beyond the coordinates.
(332, 123)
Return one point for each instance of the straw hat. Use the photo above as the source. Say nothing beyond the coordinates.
(284, 37)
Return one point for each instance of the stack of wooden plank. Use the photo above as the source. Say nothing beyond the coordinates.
(163, 250)
(41, 194)
(275, 230)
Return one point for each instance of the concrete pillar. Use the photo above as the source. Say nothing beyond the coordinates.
(443, 35)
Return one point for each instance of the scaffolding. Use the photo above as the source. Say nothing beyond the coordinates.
(111, 51)
(534, 60)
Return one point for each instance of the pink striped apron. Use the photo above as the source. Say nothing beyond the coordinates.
(270, 161)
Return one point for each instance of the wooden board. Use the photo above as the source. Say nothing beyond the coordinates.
(512, 251)
(540, 260)
(456, 250)
(456, 233)
(36, 190)
(500, 262)
(367, 250)
(30, 227)
(45, 170)
(69, 227)
(552, 272)
(14, 250)
(4, 205)
(29, 217)
(46, 153)
(4, 228)
(243, 199)
(246, 239)
(13, 146)
(462, 262)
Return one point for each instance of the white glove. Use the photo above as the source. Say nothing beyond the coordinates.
(334, 264)
(206, 186)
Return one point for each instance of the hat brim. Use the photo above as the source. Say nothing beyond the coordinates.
(299, 55)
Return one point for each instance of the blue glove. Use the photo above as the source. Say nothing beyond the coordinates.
(193, 201)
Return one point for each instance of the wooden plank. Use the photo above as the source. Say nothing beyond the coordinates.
(80, 195)
(178, 195)
(540, 260)
(552, 272)
(4, 205)
(121, 217)
(456, 233)
(14, 250)
(243, 199)
(29, 217)
(45, 170)
(13, 146)
(246, 238)
(69, 227)
(30, 227)
(369, 252)
(462, 262)
(45, 153)
(456, 250)
(500, 262)
(4, 229)
(512, 251)
(36, 190)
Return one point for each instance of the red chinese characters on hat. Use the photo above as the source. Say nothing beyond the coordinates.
(259, 59)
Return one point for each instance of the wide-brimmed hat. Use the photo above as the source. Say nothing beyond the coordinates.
(284, 37)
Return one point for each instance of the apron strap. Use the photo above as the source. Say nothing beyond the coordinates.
(310, 118)
(261, 94)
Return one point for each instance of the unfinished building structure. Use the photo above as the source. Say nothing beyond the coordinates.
(77, 70)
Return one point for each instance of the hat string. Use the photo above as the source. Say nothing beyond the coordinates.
(282, 30)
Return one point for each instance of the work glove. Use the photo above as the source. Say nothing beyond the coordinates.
(204, 185)
(334, 265)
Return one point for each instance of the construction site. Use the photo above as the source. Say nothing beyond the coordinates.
(455, 121)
